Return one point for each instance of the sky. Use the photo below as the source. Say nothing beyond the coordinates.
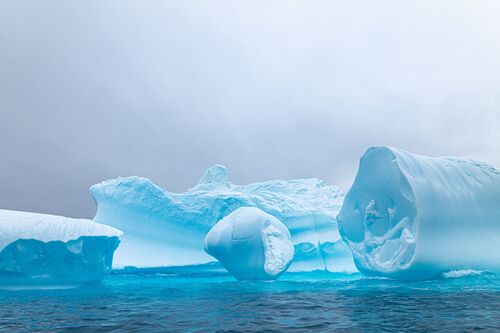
(92, 90)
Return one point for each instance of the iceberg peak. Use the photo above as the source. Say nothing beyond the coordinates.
(214, 177)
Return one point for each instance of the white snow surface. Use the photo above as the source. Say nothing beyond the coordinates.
(251, 244)
(15, 225)
(162, 228)
(413, 217)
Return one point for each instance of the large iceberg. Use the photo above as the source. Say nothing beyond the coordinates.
(414, 217)
(162, 228)
(39, 249)
(251, 244)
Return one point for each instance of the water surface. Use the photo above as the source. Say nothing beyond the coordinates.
(197, 299)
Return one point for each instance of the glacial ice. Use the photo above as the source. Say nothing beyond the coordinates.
(39, 249)
(162, 228)
(414, 217)
(251, 244)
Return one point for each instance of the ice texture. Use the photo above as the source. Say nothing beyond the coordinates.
(251, 244)
(47, 249)
(162, 228)
(414, 217)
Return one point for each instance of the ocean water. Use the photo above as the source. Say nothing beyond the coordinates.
(206, 299)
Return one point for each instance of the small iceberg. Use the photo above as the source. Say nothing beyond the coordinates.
(251, 244)
(40, 249)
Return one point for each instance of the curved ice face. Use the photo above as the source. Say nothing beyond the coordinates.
(162, 228)
(413, 217)
(251, 244)
(46, 249)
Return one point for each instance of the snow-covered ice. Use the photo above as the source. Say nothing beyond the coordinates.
(162, 228)
(251, 244)
(414, 217)
(48, 249)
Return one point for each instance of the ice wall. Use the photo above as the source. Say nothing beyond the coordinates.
(162, 228)
(413, 217)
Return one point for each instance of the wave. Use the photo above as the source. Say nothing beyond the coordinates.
(461, 273)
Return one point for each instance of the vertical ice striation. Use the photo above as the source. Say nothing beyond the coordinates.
(414, 217)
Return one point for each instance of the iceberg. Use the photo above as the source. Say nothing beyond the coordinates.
(251, 244)
(414, 217)
(162, 228)
(39, 249)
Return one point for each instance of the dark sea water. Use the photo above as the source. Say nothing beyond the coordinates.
(197, 299)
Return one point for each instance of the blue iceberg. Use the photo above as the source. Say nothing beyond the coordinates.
(162, 228)
(414, 217)
(40, 249)
(251, 244)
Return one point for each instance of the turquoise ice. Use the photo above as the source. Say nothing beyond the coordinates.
(162, 228)
(40, 249)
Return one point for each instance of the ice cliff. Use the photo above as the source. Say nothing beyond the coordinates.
(46, 249)
(162, 228)
(414, 217)
(251, 244)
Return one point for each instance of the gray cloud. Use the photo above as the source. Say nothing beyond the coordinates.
(92, 90)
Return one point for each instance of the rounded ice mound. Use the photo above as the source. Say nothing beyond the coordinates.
(413, 217)
(251, 244)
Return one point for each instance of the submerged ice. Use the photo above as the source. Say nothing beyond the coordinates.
(47, 249)
(162, 228)
(414, 217)
(251, 244)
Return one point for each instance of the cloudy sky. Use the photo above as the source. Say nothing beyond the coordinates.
(91, 90)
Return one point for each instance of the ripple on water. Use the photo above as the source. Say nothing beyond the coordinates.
(184, 301)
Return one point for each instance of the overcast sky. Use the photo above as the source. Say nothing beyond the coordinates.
(91, 90)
